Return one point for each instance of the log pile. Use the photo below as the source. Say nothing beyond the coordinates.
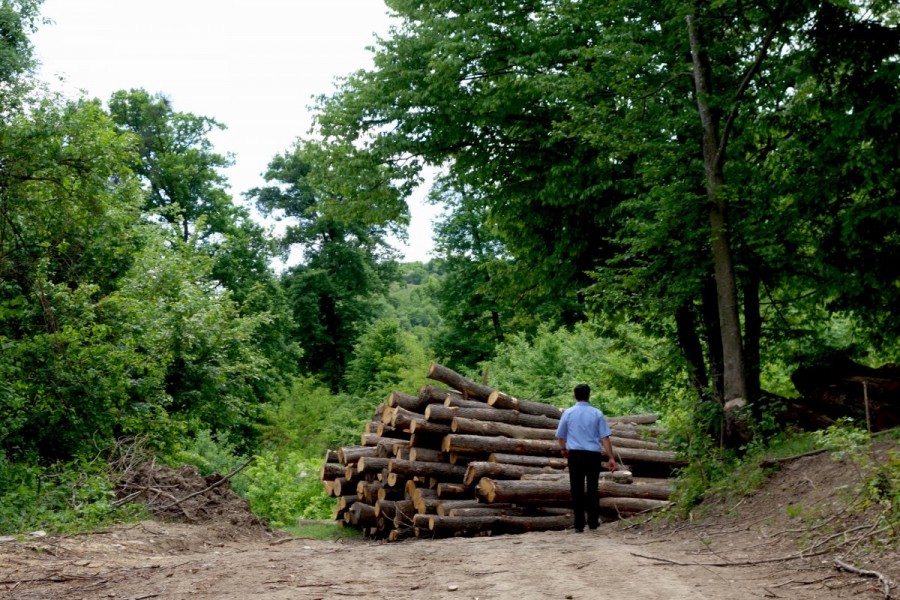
(466, 459)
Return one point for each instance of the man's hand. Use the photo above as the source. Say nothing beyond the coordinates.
(565, 453)
(612, 464)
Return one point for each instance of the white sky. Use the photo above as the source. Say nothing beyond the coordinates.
(253, 65)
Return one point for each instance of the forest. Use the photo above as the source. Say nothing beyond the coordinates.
(684, 204)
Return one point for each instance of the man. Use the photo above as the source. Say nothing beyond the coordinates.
(581, 431)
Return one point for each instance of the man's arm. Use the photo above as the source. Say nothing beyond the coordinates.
(611, 461)
(562, 444)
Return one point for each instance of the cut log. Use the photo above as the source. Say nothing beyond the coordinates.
(402, 418)
(331, 456)
(498, 399)
(426, 439)
(532, 461)
(478, 469)
(362, 514)
(403, 513)
(368, 491)
(645, 419)
(387, 447)
(446, 506)
(437, 523)
(426, 455)
(400, 400)
(422, 426)
(538, 492)
(331, 471)
(390, 493)
(344, 486)
(371, 464)
(446, 414)
(459, 401)
(386, 431)
(467, 387)
(493, 428)
(616, 476)
(370, 439)
(329, 487)
(444, 471)
(455, 442)
(372, 426)
(464, 458)
(620, 442)
(447, 489)
(348, 455)
(430, 394)
(345, 502)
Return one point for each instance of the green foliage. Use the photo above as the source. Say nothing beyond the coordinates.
(628, 373)
(59, 498)
(210, 454)
(383, 358)
(282, 490)
(323, 531)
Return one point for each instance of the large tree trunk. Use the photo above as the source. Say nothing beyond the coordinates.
(691, 347)
(726, 286)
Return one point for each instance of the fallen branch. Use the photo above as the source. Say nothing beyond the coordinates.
(213, 486)
(773, 462)
(885, 582)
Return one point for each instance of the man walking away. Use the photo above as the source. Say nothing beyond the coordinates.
(582, 429)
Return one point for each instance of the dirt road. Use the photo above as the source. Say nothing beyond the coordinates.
(755, 547)
(177, 561)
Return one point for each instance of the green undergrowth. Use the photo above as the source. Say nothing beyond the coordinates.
(723, 480)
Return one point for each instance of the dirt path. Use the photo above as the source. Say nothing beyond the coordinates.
(176, 561)
(742, 550)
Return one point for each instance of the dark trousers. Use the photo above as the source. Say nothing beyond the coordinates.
(584, 477)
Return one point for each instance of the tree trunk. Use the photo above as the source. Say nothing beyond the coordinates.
(752, 334)
(691, 347)
(455, 442)
(532, 461)
(627, 507)
(715, 143)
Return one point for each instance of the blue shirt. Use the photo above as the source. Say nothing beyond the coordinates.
(582, 426)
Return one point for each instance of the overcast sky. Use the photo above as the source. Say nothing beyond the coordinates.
(253, 65)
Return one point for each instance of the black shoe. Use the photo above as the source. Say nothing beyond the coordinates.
(581, 530)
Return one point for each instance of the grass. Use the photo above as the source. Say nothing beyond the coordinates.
(322, 530)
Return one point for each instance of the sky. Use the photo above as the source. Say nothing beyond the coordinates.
(253, 65)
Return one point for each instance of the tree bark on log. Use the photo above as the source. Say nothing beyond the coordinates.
(531, 461)
(644, 419)
(498, 399)
(372, 464)
(426, 455)
(422, 426)
(348, 455)
(493, 428)
(455, 442)
(460, 402)
(467, 387)
(539, 492)
(362, 514)
(400, 400)
(446, 472)
(331, 471)
(446, 490)
(478, 469)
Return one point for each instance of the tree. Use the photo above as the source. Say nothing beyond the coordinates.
(177, 162)
(575, 123)
(346, 263)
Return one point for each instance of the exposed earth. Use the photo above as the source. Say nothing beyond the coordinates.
(753, 548)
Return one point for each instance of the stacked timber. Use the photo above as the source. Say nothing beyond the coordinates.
(465, 459)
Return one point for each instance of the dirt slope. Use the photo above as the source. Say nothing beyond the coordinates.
(742, 552)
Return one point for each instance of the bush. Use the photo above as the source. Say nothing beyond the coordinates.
(281, 491)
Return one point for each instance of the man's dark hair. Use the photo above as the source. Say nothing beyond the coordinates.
(582, 392)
